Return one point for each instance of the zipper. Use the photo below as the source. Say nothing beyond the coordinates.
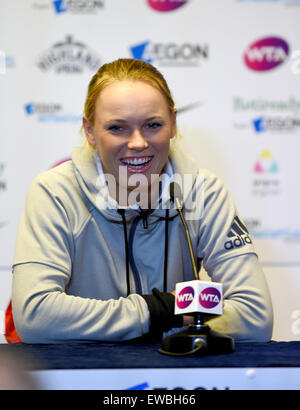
(144, 216)
(135, 271)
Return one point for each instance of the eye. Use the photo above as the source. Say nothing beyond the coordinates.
(114, 128)
(154, 124)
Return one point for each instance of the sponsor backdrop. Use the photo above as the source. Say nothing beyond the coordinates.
(234, 69)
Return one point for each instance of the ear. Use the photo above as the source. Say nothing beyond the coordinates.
(174, 122)
(88, 130)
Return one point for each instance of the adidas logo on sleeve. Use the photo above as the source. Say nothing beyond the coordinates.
(238, 235)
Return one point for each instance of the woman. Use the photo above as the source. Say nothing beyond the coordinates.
(101, 247)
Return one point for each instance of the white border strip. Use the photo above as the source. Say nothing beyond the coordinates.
(186, 379)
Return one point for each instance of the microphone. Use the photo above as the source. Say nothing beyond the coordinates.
(199, 299)
(176, 197)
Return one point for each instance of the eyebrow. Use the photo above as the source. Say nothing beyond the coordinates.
(153, 117)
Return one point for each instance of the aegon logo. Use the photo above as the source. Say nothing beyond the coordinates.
(171, 54)
(42, 108)
(77, 6)
(166, 5)
(209, 298)
(185, 297)
(266, 54)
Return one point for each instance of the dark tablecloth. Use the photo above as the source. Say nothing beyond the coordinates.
(143, 355)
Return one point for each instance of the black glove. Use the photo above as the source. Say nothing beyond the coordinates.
(161, 307)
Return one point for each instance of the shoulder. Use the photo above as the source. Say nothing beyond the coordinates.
(57, 190)
(58, 181)
(54, 177)
(203, 180)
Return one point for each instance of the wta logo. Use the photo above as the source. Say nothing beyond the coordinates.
(266, 54)
(209, 298)
(166, 5)
(185, 297)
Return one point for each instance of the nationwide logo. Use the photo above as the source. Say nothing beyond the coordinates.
(171, 54)
(166, 5)
(77, 6)
(3, 184)
(276, 124)
(266, 53)
(69, 57)
(185, 297)
(238, 235)
(270, 116)
(240, 104)
(265, 163)
(49, 112)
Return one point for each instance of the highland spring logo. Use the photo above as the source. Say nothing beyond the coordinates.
(69, 57)
(166, 5)
(266, 53)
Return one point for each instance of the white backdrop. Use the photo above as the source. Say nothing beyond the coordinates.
(233, 67)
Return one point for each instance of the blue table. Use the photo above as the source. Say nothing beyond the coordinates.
(141, 366)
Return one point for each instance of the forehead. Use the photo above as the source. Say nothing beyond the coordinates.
(130, 96)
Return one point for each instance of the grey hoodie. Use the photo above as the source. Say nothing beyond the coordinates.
(69, 271)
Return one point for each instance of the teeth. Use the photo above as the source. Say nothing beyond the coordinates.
(136, 161)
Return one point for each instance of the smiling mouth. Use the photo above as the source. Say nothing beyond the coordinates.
(137, 163)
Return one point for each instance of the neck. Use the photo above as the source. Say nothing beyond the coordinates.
(140, 196)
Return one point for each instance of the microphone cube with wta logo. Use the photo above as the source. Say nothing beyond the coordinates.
(198, 296)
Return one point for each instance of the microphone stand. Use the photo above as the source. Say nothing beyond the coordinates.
(198, 339)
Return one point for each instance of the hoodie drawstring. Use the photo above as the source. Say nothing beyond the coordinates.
(122, 213)
(166, 250)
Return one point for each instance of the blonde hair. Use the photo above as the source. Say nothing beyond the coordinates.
(124, 69)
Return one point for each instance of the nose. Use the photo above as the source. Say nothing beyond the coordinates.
(137, 141)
